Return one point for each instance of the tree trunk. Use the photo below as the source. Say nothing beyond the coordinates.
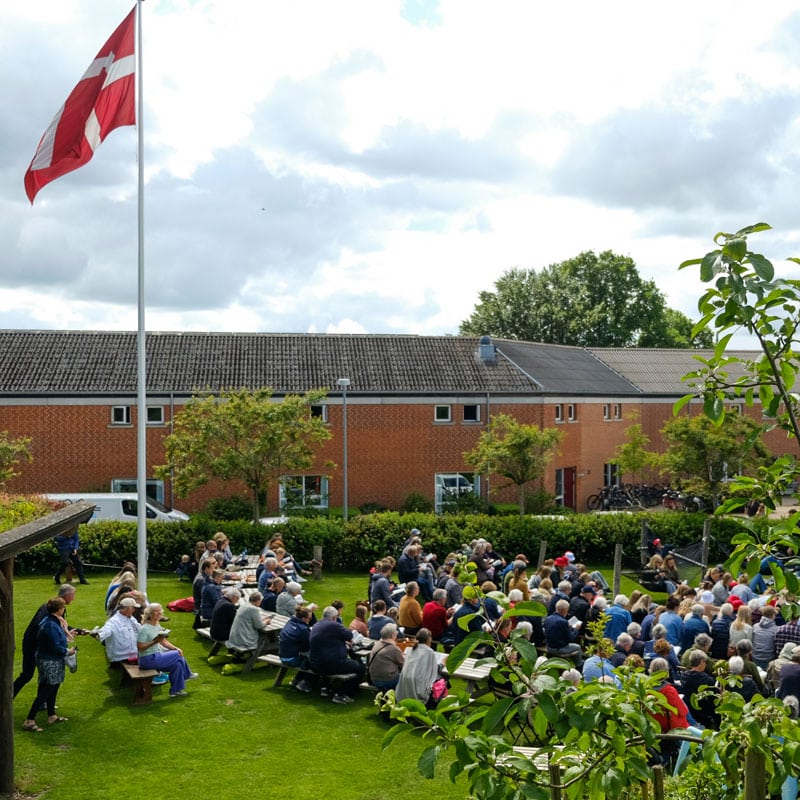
(521, 499)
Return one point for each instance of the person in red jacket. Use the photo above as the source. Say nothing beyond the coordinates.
(435, 617)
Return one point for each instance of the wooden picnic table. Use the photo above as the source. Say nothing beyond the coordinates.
(473, 674)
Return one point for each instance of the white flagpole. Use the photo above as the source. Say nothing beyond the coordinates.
(141, 394)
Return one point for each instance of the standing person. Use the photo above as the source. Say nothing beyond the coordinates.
(157, 652)
(67, 545)
(67, 593)
(51, 647)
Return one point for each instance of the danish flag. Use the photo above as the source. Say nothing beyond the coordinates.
(104, 99)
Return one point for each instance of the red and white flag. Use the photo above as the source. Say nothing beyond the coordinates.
(104, 99)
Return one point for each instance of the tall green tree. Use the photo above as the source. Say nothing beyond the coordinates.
(515, 451)
(12, 451)
(245, 436)
(589, 301)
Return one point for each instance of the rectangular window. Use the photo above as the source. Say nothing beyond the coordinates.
(154, 490)
(607, 411)
(472, 413)
(442, 414)
(450, 486)
(559, 412)
(611, 474)
(618, 411)
(320, 411)
(155, 415)
(736, 408)
(559, 488)
(304, 491)
(120, 415)
(572, 412)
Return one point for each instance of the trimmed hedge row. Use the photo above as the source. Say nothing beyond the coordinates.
(357, 544)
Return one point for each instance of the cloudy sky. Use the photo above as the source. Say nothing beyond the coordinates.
(372, 165)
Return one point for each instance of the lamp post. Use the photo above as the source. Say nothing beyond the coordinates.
(343, 383)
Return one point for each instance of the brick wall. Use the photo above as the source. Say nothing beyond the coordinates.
(395, 448)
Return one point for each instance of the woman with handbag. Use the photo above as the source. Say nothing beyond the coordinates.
(51, 649)
(420, 673)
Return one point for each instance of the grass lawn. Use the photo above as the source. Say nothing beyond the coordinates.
(232, 737)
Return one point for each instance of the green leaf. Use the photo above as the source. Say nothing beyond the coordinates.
(762, 266)
(708, 264)
(496, 713)
(549, 707)
(393, 733)
(427, 762)
(679, 404)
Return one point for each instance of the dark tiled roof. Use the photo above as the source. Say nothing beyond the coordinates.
(102, 362)
(559, 369)
(659, 372)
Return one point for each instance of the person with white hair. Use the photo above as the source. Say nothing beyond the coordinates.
(618, 618)
(744, 685)
(328, 655)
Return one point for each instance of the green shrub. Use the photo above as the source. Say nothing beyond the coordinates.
(416, 501)
(364, 539)
(234, 507)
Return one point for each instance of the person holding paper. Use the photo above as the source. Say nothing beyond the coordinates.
(157, 652)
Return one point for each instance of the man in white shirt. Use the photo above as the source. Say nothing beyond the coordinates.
(120, 634)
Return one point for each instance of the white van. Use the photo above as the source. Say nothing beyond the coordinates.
(121, 506)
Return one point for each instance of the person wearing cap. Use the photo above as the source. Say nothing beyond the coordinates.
(120, 634)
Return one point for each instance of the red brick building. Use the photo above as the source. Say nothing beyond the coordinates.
(414, 404)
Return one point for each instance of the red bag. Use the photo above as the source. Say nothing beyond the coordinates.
(439, 689)
(184, 604)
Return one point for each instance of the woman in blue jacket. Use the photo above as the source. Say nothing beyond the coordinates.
(51, 647)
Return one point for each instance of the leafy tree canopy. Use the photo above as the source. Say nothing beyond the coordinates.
(12, 451)
(588, 301)
(244, 436)
(515, 451)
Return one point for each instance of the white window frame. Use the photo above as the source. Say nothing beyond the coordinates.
(559, 412)
(559, 486)
(155, 415)
(120, 415)
(617, 410)
(572, 412)
(442, 408)
(606, 411)
(155, 487)
(439, 480)
(306, 498)
(611, 476)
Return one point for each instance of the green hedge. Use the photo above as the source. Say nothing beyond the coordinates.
(358, 543)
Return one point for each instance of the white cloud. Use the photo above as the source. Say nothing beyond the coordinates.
(371, 167)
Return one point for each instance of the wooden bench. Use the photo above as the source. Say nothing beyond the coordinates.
(274, 660)
(141, 680)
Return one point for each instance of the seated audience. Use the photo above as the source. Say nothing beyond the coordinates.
(410, 613)
(249, 630)
(156, 651)
(328, 656)
(419, 672)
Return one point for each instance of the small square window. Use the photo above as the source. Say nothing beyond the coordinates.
(572, 412)
(155, 415)
(442, 414)
(559, 412)
(320, 411)
(472, 413)
(120, 415)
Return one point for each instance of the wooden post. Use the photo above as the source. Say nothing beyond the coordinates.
(658, 782)
(555, 780)
(542, 553)
(316, 564)
(755, 775)
(706, 543)
(7, 675)
(617, 567)
(644, 554)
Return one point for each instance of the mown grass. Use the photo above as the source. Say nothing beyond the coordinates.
(232, 737)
